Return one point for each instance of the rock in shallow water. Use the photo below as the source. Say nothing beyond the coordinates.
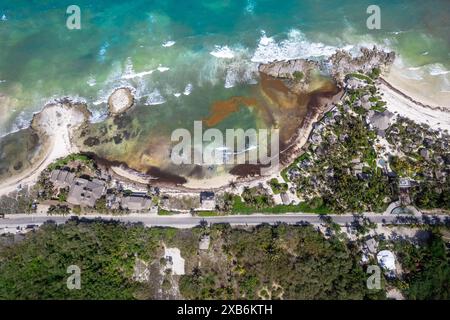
(120, 100)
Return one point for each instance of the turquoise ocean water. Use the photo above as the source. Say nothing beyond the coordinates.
(180, 57)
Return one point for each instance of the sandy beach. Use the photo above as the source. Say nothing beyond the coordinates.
(406, 106)
(55, 124)
(425, 90)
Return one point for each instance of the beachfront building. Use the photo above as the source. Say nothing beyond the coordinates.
(136, 203)
(207, 200)
(85, 193)
(62, 178)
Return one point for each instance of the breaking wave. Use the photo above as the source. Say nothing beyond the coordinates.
(295, 46)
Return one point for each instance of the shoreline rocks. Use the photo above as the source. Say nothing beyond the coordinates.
(296, 73)
(120, 101)
(342, 62)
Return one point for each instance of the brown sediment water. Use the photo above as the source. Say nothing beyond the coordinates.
(220, 110)
(275, 103)
(294, 112)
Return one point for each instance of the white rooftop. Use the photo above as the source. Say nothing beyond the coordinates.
(386, 259)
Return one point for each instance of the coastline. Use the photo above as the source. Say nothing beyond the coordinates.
(419, 90)
(401, 103)
(54, 125)
(57, 121)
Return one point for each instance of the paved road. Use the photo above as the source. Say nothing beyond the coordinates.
(11, 222)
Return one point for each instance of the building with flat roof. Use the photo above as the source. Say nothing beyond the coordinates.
(207, 200)
(136, 203)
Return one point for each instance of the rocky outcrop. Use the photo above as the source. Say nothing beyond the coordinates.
(296, 74)
(288, 69)
(120, 100)
(60, 116)
(298, 71)
(342, 62)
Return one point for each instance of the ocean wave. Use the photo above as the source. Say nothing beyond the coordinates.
(295, 46)
(168, 44)
(99, 102)
(75, 99)
(98, 115)
(222, 52)
(137, 75)
(437, 69)
(155, 98)
(237, 68)
(129, 72)
(102, 52)
(22, 121)
(162, 69)
(4, 18)
(91, 81)
(421, 72)
(188, 89)
(241, 71)
(445, 85)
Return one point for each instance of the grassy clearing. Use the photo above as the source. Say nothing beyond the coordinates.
(240, 207)
(60, 163)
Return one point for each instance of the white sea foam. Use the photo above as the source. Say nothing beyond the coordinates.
(177, 94)
(75, 99)
(238, 70)
(420, 72)
(445, 85)
(129, 72)
(436, 73)
(295, 46)
(155, 98)
(162, 69)
(168, 44)
(222, 52)
(102, 52)
(99, 102)
(22, 121)
(437, 69)
(412, 74)
(137, 75)
(187, 91)
(98, 115)
(241, 70)
(4, 18)
(91, 81)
